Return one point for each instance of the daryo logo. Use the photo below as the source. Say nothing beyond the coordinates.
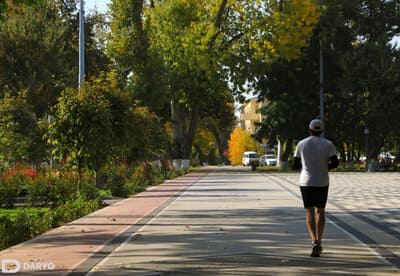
(10, 266)
(14, 266)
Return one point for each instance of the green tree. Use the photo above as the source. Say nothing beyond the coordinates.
(138, 133)
(20, 135)
(140, 71)
(4, 5)
(360, 72)
(220, 120)
(39, 50)
(81, 132)
(200, 45)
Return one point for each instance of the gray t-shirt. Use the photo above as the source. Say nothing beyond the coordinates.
(314, 153)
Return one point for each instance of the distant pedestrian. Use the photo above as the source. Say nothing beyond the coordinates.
(315, 156)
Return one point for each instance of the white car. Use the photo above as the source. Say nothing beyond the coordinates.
(249, 158)
(387, 156)
(268, 160)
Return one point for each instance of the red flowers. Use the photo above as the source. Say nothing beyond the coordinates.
(29, 172)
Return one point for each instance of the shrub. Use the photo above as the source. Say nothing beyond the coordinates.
(63, 185)
(10, 187)
(116, 178)
(27, 224)
(38, 191)
(73, 209)
(88, 186)
(30, 222)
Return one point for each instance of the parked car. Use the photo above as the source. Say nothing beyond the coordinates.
(249, 158)
(268, 160)
(387, 157)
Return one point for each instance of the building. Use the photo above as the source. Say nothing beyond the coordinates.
(248, 115)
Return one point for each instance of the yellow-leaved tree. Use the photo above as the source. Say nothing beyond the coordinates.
(204, 143)
(239, 142)
(201, 49)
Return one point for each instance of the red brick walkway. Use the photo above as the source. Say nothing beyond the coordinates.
(65, 248)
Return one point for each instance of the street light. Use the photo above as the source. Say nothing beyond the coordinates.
(366, 132)
(81, 77)
(321, 81)
(321, 72)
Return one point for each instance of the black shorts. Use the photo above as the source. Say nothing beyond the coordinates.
(314, 196)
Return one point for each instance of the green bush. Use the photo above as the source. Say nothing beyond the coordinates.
(8, 192)
(88, 186)
(73, 209)
(38, 191)
(63, 185)
(27, 224)
(116, 179)
(30, 222)
(10, 187)
(124, 180)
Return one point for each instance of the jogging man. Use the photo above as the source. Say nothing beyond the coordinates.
(315, 156)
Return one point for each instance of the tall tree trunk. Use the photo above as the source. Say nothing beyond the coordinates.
(178, 131)
(218, 139)
(202, 157)
(188, 142)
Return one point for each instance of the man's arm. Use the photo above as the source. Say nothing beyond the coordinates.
(296, 163)
(333, 162)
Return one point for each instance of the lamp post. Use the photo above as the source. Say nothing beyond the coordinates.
(321, 72)
(81, 77)
(321, 81)
(366, 132)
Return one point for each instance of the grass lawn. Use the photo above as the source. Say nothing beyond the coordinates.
(271, 169)
(12, 213)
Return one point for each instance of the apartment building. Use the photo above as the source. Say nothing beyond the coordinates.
(248, 116)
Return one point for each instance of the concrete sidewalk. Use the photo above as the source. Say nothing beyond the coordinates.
(94, 236)
(237, 222)
(218, 221)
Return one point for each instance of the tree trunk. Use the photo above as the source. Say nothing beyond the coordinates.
(178, 133)
(177, 130)
(285, 155)
(202, 157)
(218, 140)
(189, 138)
(182, 141)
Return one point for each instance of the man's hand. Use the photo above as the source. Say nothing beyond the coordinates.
(333, 162)
(296, 163)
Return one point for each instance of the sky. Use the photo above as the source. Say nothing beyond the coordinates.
(101, 5)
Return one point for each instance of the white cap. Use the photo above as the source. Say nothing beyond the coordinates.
(316, 125)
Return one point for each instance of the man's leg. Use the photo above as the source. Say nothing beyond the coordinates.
(315, 225)
(311, 223)
(320, 223)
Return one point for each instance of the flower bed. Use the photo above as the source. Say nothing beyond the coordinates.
(53, 198)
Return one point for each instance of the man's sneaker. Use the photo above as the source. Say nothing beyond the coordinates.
(316, 249)
(320, 248)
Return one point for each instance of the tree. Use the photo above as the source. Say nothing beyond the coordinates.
(360, 71)
(218, 117)
(81, 132)
(197, 46)
(371, 83)
(4, 5)
(209, 43)
(20, 135)
(39, 50)
(204, 144)
(239, 142)
(138, 133)
(290, 95)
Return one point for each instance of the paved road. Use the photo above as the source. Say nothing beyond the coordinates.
(236, 222)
